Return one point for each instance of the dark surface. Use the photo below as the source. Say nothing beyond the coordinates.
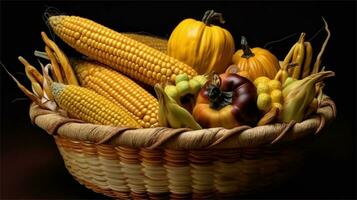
(31, 166)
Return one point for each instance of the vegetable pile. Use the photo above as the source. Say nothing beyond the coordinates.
(198, 77)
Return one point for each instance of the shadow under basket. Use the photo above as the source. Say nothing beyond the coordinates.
(163, 163)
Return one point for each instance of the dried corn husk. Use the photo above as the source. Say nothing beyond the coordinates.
(298, 96)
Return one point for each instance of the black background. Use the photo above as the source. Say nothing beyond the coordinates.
(31, 166)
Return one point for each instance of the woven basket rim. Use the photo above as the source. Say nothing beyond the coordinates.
(183, 139)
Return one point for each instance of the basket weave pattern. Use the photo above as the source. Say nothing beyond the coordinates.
(161, 163)
(122, 172)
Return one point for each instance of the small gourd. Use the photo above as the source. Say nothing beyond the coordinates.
(256, 61)
(203, 46)
(185, 90)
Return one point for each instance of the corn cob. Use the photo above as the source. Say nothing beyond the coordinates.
(89, 106)
(152, 41)
(126, 55)
(121, 90)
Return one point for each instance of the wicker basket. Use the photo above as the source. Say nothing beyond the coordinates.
(162, 163)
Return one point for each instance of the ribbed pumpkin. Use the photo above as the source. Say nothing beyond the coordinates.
(203, 46)
(256, 61)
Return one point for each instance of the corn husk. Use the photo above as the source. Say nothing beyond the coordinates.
(298, 95)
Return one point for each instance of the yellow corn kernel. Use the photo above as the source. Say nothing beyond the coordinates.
(152, 41)
(116, 50)
(89, 106)
(121, 90)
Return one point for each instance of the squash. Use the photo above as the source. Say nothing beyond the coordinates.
(203, 46)
(256, 61)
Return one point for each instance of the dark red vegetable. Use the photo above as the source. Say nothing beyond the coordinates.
(227, 100)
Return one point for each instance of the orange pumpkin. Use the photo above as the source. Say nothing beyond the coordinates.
(233, 69)
(256, 61)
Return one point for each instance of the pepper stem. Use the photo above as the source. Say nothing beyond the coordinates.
(247, 52)
(218, 98)
(216, 80)
(210, 15)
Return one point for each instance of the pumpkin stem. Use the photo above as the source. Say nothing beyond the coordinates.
(210, 15)
(218, 98)
(247, 52)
